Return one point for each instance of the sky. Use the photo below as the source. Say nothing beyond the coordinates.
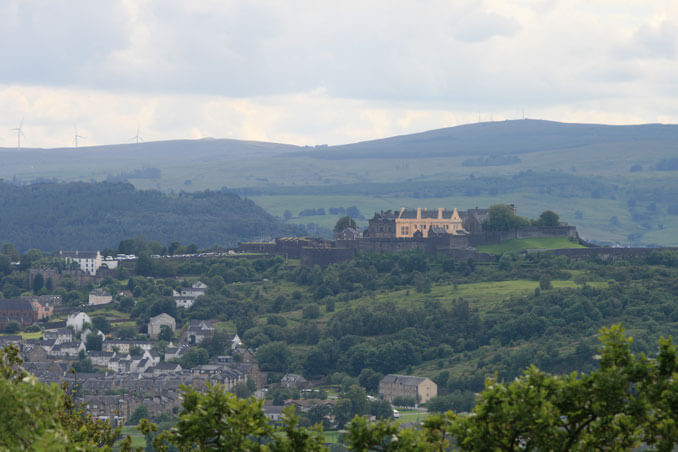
(314, 72)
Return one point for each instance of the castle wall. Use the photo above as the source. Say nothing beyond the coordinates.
(604, 253)
(492, 237)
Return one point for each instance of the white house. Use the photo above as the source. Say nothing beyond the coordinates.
(77, 321)
(89, 261)
(187, 296)
(235, 342)
(59, 336)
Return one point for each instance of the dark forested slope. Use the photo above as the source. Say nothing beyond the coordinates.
(82, 215)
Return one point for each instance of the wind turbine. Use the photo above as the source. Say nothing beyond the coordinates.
(76, 136)
(137, 137)
(19, 132)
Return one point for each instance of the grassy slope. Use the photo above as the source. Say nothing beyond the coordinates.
(514, 246)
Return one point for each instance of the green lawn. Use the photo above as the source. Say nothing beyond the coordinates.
(138, 440)
(487, 294)
(411, 416)
(332, 436)
(25, 335)
(517, 245)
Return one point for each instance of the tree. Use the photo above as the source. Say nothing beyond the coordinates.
(5, 265)
(94, 342)
(127, 332)
(38, 282)
(343, 223)
(404, 401)
(216, 420)
(548, 218)
(545, 282)
(166, 333)
(102, 324)
(144, 265)
(194, 356)
(311, 311)
(9, 251)
(369, 379)
(274, 357)
(12, 327)
(502, 217)
(421, 283)
(140, 412)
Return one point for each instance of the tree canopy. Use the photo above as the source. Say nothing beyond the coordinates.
(343, 223)
(501, 217)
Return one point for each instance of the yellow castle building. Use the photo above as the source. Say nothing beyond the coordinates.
(440, 221)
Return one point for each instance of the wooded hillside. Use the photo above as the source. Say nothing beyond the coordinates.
(83, 216)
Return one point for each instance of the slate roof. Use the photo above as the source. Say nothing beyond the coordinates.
(12, 304)
(405, 380)
(412, 213)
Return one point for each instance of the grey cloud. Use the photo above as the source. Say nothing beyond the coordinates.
(479, 26)
(656, 41)
(58, 41)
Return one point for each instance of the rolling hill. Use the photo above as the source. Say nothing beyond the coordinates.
(616, 183)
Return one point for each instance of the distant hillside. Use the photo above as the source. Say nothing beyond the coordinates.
(85, 216)
(491, 138)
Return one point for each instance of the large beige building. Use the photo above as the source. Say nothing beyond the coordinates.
(409, 222)
(420, 389)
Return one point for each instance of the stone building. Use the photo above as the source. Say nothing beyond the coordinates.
(21, 311)
(156, 323)
(382, 225)
(420, 389)
(413, 221)
(408, 223)
(99, 296)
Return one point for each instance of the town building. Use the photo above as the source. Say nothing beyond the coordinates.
(156, 323)
(21, 311)
(293, 381)
(199, 331)
(419, 389)
(188, 296)
(89, 261)
(77, 321)
(99, 296)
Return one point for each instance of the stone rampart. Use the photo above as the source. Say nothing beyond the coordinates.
(604, 253)
(493, 237)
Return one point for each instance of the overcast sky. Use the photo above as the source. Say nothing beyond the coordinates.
(313, 72)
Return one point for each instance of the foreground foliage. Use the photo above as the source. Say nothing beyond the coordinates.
(629, 401)
(40, 416)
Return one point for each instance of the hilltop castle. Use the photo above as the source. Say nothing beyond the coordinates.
(441, 230)
(408, 223)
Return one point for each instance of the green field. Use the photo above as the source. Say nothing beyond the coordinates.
(517, 245)
(138, 439)
(25, 335)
